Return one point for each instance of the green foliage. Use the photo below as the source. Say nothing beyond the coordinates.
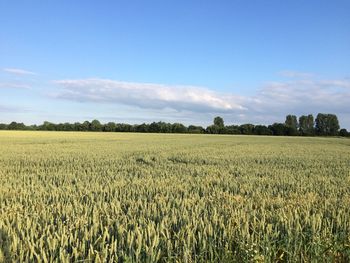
(306, 125)
(218, 126)
(214, 129)
(109, 197)
(262, 130)
(109, 127)
(95, 125)
(327, 124)
(195, 129)
(247, 129)
(291, 125)
(16, 126)
(218, 121)
(344, 133)
(178, 128)
(278, 129)
(85, 126)
(233, 129)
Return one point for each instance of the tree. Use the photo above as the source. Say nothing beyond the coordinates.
(247, 128)
(233, 129)
(58, 127)
(47, 126)
(139, 128)
(306, 125)
(154, 127)
(324, 125)
(109, 127)
(195, 129)
(95, 125)
(213, 129)
(218, 127)
(278, 129)
(344, 133)
(262, 130)
(67, 126)
(16, 126)
(178, 128)
(76, 126)
(291, 125)
(85, 126)
(219, 121)
(33, 127)
(327, 124)
(159, 127)
(165, 127)
(123, 127)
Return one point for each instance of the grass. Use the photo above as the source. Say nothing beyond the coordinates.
(123, 197)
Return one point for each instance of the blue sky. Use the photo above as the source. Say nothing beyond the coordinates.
(175, 61)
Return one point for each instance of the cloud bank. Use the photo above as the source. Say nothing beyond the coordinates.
(148, 95)
(271, 103)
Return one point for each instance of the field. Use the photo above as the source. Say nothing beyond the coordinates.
(122, 197)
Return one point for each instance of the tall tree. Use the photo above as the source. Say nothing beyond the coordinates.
(291, 125)
(219, 121)
(218, 127)
(306, 125)
(327, 124)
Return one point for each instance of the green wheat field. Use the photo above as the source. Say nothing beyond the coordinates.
(124, 197)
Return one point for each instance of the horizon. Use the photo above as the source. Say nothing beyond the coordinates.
(186, 125)
(186, 62)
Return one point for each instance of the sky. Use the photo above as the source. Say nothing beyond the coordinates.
(174, 61)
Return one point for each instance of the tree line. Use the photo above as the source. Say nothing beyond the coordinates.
(306, 125)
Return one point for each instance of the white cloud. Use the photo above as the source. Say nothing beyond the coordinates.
(147, 95)
(300, 95)
(18, 71)
(14, 85)
(336, 83)
(270, 104)
(275, 100)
